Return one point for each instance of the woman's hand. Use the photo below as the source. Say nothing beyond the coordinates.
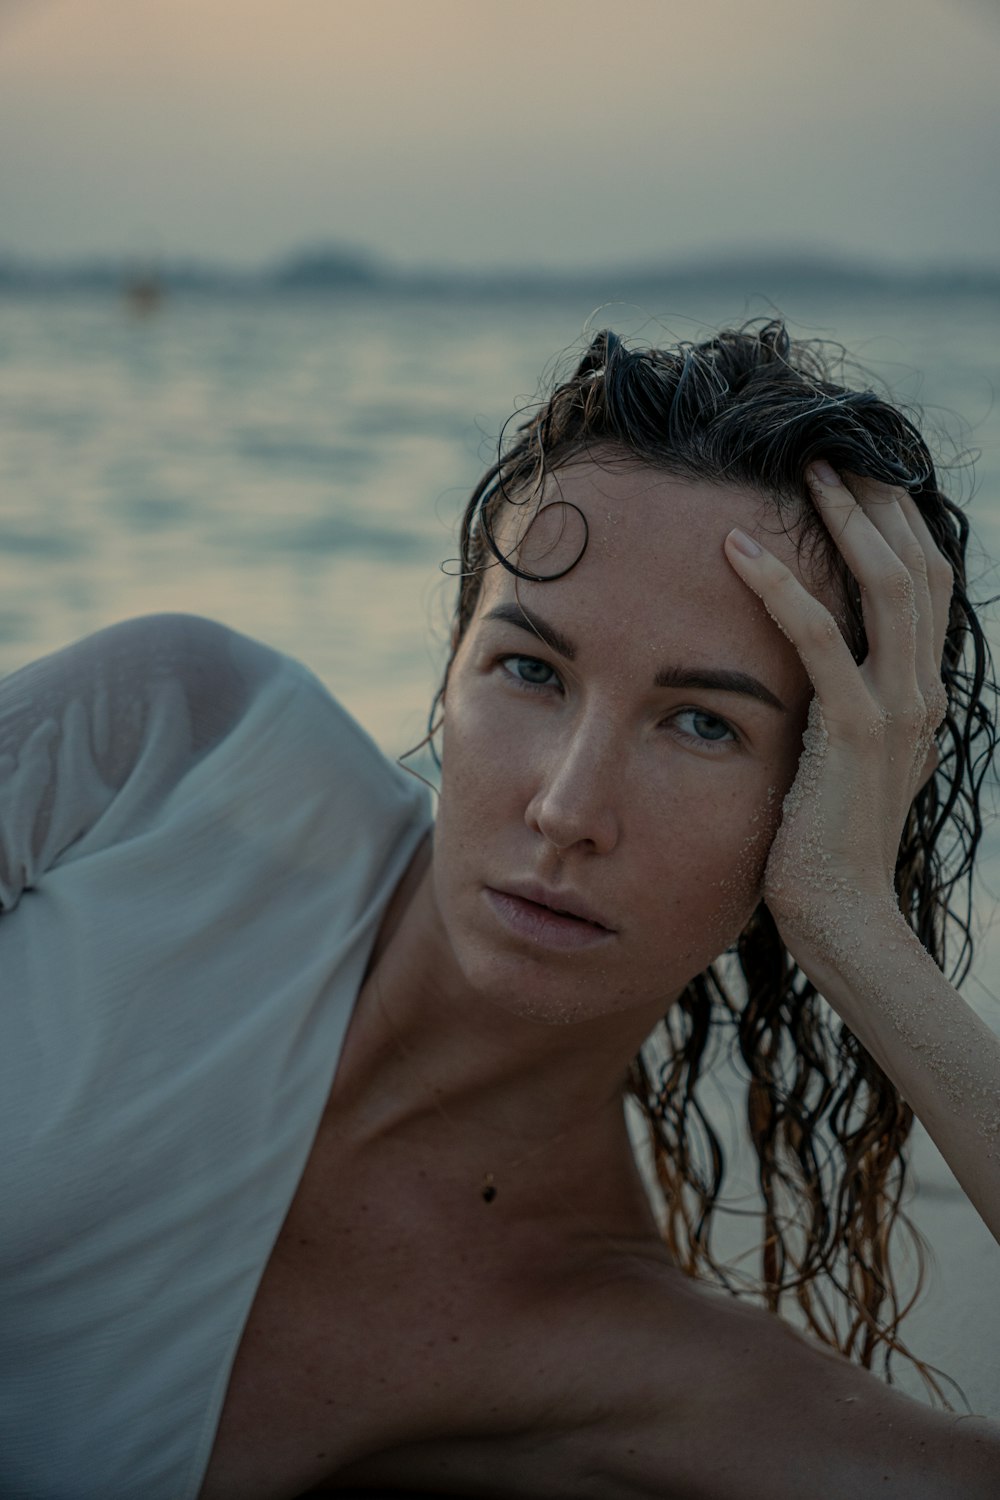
(867, 749)
(869, 744)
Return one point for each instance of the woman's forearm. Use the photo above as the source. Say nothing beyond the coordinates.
(942, 1057)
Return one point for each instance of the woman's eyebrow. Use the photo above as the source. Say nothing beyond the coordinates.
(525, 619)
(711, 679)
(719, 680)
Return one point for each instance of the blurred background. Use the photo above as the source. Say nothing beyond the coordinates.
(272, 277)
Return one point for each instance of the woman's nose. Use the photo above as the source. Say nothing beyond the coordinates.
(576, 800)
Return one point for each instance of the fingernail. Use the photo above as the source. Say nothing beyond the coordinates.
(824, 472)
(744, 543)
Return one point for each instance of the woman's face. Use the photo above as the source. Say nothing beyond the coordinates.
(628, 767)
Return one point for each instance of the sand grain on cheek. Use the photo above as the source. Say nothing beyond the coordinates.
(740, 889)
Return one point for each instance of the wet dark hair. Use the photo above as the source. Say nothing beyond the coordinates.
(752, 408)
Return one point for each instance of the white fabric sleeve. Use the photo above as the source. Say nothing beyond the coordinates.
(131, 708)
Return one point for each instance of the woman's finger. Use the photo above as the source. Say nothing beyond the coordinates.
(939, 574)
(812, 630)
(882, 504)
(889, 591)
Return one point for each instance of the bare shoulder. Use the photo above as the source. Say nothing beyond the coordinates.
(706, 1397)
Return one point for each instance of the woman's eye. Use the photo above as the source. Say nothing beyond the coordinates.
(704, 727)
(529, 671)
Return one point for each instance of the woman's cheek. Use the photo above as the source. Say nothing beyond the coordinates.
(736, 891)
(465, 723)
(484, 767)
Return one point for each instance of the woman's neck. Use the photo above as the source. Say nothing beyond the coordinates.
(428, 1060)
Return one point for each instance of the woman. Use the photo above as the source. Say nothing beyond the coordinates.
(325, 1181)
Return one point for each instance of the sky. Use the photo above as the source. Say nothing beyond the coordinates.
(501, 133)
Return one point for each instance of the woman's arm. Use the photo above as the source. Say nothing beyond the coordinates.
(944, 1060)
(867, 749)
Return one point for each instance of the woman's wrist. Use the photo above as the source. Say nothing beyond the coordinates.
(849, 942)
(872, 969)
(944, 1060)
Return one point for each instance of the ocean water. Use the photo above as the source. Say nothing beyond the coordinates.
(295, 467)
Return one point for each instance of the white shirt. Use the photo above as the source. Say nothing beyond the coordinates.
(197, 845)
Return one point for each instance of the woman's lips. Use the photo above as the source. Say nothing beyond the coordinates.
(540, 924)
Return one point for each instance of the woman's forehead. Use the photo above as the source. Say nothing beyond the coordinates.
(646, 576)
(616, 515)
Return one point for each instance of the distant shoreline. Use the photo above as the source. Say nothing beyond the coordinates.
(337, 273)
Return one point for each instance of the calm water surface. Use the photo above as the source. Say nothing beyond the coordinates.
(295, 468)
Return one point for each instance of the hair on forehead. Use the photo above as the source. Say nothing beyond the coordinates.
(750, 408)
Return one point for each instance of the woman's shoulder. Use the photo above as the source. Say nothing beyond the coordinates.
(706, 1395)
(627, 1379)
(277, 733)
(107, 736)
(155, 692)
(109, 684)
(205, 657)
(135, 657)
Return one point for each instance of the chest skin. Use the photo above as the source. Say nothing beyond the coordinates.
(408, 1336)
(399, 1308)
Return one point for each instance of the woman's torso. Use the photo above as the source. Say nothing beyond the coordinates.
(399, 1311)
(399, 1342)
(180, 936)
